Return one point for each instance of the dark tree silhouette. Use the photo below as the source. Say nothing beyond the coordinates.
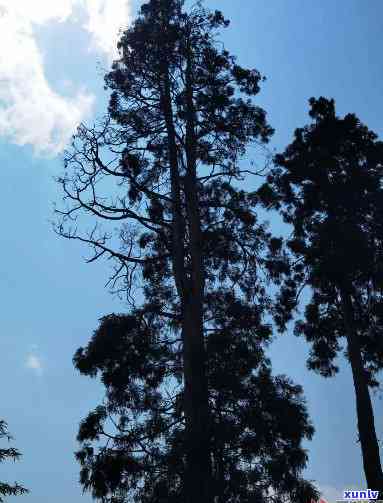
(197, 415)
(328, 184)
(6, 454)
(133, 444)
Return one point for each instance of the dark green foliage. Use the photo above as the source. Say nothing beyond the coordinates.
(328, 185)
(13, 454)
(258, 420)
(133, 447)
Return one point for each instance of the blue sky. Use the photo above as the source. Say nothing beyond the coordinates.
(50, 78)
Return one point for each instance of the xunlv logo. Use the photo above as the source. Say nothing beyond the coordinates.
(360, 495)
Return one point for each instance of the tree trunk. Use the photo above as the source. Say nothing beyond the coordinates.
(196, 390)
(190, 290)
(365, 415)
(198, 472)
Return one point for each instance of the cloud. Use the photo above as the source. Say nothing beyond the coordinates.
(34, 363)
(105, 19)
(31, 112)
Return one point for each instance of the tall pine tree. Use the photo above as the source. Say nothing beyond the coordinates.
(329, 186)
(191, 412)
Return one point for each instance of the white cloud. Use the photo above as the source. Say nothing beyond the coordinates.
(34, 363)
(105, 19)
(31, 112)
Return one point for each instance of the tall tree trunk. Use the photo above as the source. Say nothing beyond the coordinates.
(190, 290)
(198, 474)
(196, 390)
(365, 415)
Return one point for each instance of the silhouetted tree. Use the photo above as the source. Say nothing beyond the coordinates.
(133, 444)
(328, 184)
(5, 454)
(197, 415)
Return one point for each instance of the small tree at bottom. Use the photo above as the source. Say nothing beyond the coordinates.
(5, 454)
